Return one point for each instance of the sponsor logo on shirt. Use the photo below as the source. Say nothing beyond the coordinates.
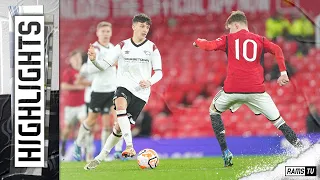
(136, 60)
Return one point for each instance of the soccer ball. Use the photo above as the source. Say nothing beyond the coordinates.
(148, 159)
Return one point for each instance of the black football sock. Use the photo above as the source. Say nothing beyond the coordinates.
(290, 135)
(63, 147)
(218, 129)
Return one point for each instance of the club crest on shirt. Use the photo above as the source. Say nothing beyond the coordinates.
(126, 52)
(147, 53)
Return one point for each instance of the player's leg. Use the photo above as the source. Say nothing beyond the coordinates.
(64, 135)
(70, 119)
(89, 148)
(134, 108)
(111, 141)
(106, 129)
(106, 105)
(118, 146)
(264, 104)
(85, 127)
(125, 126)
(81, 116)
(122, 99)
(220, 103)
(89, 139)
(108, 116)
(118, 150)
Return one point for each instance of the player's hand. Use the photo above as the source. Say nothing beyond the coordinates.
(91, 53)
(283, 80)
(145, 84)
(195, 44)
(198, 40)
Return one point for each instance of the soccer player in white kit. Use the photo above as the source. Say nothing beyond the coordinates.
(103, 86)
(136, 57)
(84, 78)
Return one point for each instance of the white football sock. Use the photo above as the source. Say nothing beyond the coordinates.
(118, 146)
(89, 146)
(104, 135)
(83, 131)
(125, 126)
(112, 140)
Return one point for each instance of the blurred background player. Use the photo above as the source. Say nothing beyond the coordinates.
(137, 57)
(103, 87)
(313, 120)
(72, 95)
(244, 83)
(143, 125)
(84, 78)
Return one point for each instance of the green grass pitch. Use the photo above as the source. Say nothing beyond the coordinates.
(175, 169)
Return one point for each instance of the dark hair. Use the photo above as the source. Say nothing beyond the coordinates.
(142, 18)
(236, 16)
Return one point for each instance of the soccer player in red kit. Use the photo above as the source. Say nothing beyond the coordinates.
(244, 83)
(72, 95)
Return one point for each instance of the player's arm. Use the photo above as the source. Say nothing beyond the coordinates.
(70, 87)
(157, 68)
(274, 49)
(104, 63)
(82, 76)
(91, 68)
(218, 44)
(83, 81)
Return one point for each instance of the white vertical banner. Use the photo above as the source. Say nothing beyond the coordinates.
(5, 71)
(29, 86)
(317, 28)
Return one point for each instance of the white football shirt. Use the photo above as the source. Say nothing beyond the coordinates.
(103, 81)
(135, 63)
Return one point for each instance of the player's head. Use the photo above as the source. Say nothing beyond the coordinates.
(236, 21)
(75, 59)
(104, 31)
(141, 24)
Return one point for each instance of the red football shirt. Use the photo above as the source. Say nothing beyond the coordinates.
(245, 52)
(75, 97)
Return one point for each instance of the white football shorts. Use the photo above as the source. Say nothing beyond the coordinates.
(259, 103)
(74, 114)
